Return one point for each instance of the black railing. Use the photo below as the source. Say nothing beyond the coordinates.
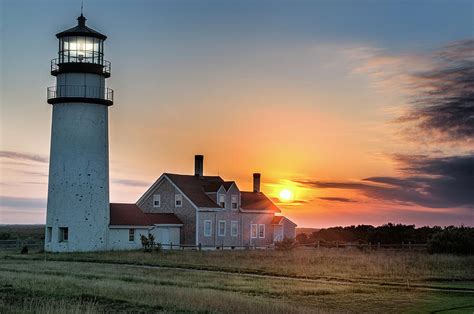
(80, 91)
(107, 67)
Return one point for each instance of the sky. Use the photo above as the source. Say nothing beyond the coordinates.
(362, 110)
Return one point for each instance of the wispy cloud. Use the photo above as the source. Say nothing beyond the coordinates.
(337, 199)
(442, 182)
(129, 182)
(438, 89)
(22, 202)
(442, 106)
(24, 156)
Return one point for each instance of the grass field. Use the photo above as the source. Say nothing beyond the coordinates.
(329, 280)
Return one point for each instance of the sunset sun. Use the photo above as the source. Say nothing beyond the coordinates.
(286, 195)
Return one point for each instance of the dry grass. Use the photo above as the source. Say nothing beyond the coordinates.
(347, 264)
(78, 286)
(71, 283)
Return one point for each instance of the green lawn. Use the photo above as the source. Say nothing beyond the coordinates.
(343, 281)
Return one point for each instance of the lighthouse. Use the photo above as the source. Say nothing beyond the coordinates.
(78, 189)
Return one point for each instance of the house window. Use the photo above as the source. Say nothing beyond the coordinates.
(222, 200)
(253, 231)
(157, 200)
(235, 202)
(131, 235)
(261, 231)
(207, 228)
(178, 200)
(234, 228)
(63, 234)
(49, 231)
(221, 228)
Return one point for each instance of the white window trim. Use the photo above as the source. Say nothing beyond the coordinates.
(221, 195)
(256, 231)
(208, 234)
(178, 197)
(131, 232)
(259, 226)
(156, 197)
(219, 228)
(232, 202)
(236, 223)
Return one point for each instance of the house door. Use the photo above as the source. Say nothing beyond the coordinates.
(165, 236)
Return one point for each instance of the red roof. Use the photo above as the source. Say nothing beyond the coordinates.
(132, 215)
(194, 187)
(257, 201)
(277, 220)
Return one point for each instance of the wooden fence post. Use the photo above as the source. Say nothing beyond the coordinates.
(171, 245)
(318, 244)
(409, 245)
(199, 246)
(18, 243)
(378, 246)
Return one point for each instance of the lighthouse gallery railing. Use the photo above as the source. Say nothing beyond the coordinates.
(55, 63)
(82, 91)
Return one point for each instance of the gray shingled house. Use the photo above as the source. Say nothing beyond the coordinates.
(215, 212)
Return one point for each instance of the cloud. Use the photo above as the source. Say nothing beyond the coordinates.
(24, 156)
(435, 182)
(22, 202)
(438, 88)
(129, 182)
(443, 106)
(337, 199)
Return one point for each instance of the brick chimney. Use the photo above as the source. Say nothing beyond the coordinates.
(256, 182)
(198, 165)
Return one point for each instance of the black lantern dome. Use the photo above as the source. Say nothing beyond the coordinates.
(81, 49)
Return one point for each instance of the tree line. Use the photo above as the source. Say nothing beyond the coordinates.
(459, 240)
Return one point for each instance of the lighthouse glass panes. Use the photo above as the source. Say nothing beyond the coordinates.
(81, 49)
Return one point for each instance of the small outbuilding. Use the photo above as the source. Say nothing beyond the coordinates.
(128, 223)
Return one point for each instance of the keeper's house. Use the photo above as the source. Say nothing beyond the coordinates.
(199, 210)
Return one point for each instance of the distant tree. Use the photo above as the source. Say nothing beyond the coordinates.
(5, 236)
(302, 238)
(453, 240)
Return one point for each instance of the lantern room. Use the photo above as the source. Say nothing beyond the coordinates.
(81, 49)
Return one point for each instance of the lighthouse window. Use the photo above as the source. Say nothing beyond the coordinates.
(80, 49)
(131, 235)
(63, 234)
(49, 231)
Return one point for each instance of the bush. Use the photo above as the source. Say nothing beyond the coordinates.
(286, 244)
(453, 240)
(148, 243)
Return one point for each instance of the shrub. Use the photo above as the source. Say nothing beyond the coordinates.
(286, 244)
(24, 250)
(148, 243)
(453, 240)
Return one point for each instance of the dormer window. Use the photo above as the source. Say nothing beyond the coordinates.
(222, 200)
(235, 202)
(178, 200)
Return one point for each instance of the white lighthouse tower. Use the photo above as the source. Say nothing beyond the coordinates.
(78, 189)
